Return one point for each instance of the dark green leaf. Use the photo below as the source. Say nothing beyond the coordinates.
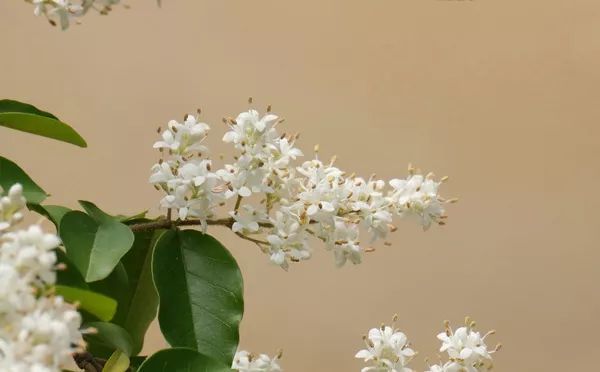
(10, 173)
(181, 360)
(139, 309)
(118, 362)
(27, 118)
(54, 213)
(95, 247)
(97, 304)
(200, 289)
(68, 276)
(110, 336)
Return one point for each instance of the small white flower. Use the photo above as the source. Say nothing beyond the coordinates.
(246, 220)
(466, 348)
(387, 351)
(246, 362)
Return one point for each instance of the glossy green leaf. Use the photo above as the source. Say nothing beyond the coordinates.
(101, 306)
(118, 362)
(27, 118)
(200, 289)
(181, 360)
(10, 173)
(95, 246)
(54, 213)
(111, 336)
(139, 309)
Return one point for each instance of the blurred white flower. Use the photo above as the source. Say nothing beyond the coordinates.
(64, 12)
(243, 361)
(38, 331)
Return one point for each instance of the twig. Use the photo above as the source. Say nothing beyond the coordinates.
(166, 224)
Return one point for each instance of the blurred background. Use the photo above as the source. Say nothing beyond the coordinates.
(501, 95)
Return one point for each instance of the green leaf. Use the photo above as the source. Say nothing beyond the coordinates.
(54, 213)
(27, 118)
(96, 304)
(181, 360)
(96, 213)
(135, 217)
(110, 336)
(139, 309)
(118, 362)
(94, 245)
(68, 276)
(10, 173)
(200, 289)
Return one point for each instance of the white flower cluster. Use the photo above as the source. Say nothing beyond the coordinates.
(38, 331)
(292, 202)
(388, 350)
(466, 349)
(63, 12)
(243, 361)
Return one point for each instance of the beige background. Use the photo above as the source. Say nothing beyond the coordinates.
(502, 95)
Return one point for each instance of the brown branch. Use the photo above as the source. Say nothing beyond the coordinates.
(166, 224)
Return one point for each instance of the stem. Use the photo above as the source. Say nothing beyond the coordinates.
(257, 241)
(237, 203)
(166, 224)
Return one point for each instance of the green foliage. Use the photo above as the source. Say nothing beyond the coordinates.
(54, 213)
(118, 362)
(95, 243)
(69, 276)
(27, 118)
(101, 306)
(10, 173)
(181, 360)
(139, 309)
(110, 336)
(200, 290)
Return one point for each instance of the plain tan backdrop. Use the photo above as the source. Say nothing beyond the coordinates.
(501, 95)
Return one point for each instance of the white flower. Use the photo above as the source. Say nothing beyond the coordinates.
(246, 220)
(418, 195)
(387, 350)
(38, 331)
(246, 362)
(285, 153)
(184, 138)
(466, 348)
(11, 207)
(446, 367)
(31, 253)
(345, 244)
(296, 204)
(63, 12)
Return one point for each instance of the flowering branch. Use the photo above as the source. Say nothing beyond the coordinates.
(314, 199)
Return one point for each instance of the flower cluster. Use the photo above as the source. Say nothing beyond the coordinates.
(292, 202)
(243, 361)
(38, 331)
(63, 12)
(466, 349)
(388, 350)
